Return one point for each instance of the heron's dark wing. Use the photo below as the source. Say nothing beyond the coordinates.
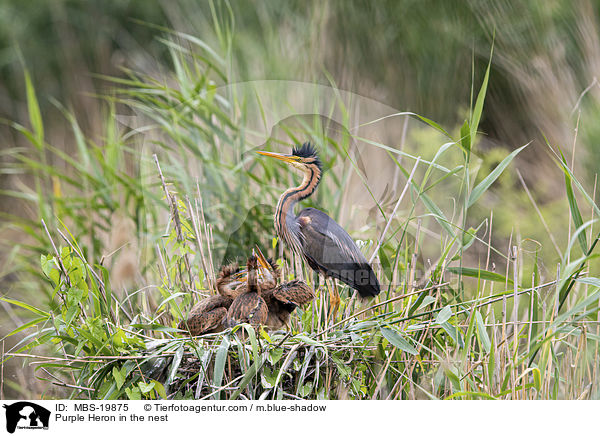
(294, 293)
(207, 315)
(210, 303)
(330, 249)
(204, 322)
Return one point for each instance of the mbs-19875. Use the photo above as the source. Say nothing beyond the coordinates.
(104, 407)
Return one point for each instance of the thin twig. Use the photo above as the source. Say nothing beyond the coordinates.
(101, 285)
(350, 305)
(539, 213)
(58, 256)
(60, 382)
(400, 297)
(172, 200)
(391, 218)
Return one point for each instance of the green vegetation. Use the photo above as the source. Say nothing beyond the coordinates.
(490, 289)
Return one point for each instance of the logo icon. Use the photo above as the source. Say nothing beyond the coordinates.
(26, 415)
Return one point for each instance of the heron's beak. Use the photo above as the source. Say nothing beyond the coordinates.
(240, 274)
(262, 260)
(284, 157)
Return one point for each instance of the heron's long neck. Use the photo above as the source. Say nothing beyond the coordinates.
(285, 219)
(253, 281)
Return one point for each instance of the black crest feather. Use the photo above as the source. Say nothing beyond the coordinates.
(307, 150)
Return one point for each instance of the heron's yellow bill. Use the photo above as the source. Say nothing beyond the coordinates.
(280, 156)
(262, 259)
(240, 274)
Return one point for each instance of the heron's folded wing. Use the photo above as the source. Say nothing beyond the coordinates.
(203, 322)
(329, 248)
(210, 303)
(295, 292)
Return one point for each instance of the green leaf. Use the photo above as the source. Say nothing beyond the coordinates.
(307, 340)
(176, 362)
(593, 281)
(305, 389)
(451, 373)
(396, 339)
(537, 378)
(72, 312)
(479, 273)
(275, 355)
(119, 340)
(65, 257)
(426, 301)
(26, 326)
(249, 375)
(470, 394)
(565, 168)
(468, 237)
(50, 268)
(268, 378)
(119, 378)
(575, 213)
(454, 333)
(171, 297)
(154, 327)
(219, 368)
(35, 116)
(146, 387)
(491, 178)
(160, 390)
(437, 214)
(386, 265)
(133, 393)
(78, 271)
(444, 315)
(465, 137)
(26, 306)
(482, 335)
(433, 124)
(491, 365)
(476, 117)
(253, 342)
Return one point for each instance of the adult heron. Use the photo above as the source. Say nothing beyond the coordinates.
(323, 243)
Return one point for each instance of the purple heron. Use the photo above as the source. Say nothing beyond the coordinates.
(323, 243)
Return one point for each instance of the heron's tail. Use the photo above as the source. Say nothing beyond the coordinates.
(360, 277)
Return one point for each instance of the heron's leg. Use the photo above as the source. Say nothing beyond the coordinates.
(334, 300)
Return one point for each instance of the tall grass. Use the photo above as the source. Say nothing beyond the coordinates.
(176, 180)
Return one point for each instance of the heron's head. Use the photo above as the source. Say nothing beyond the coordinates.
(304, 157)
(269, 270)
(266, 268)
(252, 264)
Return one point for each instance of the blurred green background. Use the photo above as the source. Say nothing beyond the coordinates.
(412, 55)
(427, 57)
